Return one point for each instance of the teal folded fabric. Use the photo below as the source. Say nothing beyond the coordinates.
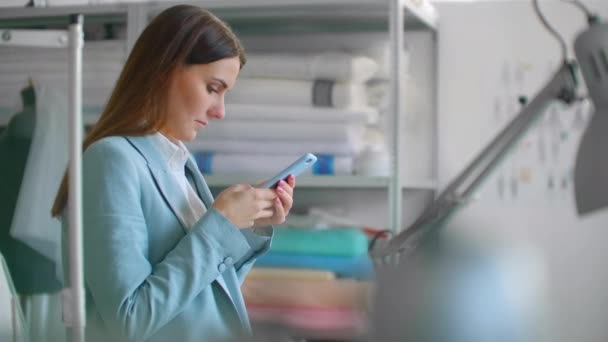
(324, 242)
(360, 267)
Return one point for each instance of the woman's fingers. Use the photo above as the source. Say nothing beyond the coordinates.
(264, 194)
(264, 205)
(274, 204)
(266, 213)
(291, 180)
(279, 211)
(286, 199)
(286, 187)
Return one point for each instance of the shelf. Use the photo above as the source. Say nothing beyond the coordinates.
(418, 13)
(54, 11)
(328, 182)
(305, 181)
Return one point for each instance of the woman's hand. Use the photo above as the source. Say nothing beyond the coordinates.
(243, 204)
(282, 204)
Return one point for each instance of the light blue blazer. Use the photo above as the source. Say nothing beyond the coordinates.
(147, 276)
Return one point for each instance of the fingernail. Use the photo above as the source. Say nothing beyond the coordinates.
(282, 182)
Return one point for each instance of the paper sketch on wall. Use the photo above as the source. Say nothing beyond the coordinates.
(539, 168)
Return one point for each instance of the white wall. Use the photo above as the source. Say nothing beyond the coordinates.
(490, 52)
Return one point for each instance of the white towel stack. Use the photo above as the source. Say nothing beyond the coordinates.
(327, 79)
(102, 62)
(285, 105)
(374, 46)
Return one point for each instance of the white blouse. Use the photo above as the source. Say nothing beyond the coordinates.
(176, 156)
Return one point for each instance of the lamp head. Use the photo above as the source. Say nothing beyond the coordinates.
(591, 169)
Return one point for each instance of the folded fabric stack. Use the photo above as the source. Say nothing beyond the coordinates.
(102, 62)
(284, 105)
(375, 45)
(312, 280)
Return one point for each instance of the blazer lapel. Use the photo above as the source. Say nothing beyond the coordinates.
(166, 183)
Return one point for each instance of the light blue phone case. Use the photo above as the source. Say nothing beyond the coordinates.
(294, 169)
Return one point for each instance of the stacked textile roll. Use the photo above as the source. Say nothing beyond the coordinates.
(102, 62)
(312, 280)
(375, 45)
(284, 105)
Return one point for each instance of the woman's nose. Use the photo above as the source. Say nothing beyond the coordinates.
(217, 111)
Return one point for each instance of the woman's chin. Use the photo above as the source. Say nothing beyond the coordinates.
(191, 137)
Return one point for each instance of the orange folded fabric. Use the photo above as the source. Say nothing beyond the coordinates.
(261, 273)
(328, 294)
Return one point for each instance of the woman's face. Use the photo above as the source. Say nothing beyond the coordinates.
(196, 96)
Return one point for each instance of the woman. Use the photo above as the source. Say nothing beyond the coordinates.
(163, 260)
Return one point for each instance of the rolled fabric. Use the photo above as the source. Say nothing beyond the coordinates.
(329, 294)
(331, 242)
(284, 130)
(268, 165)
(261, 273)
(331, 65)
(272, 147)
(345, 267)
(237, 111)
(375, 45)
(318, 93)
(378, 94)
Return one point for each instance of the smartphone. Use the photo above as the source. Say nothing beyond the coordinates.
(295, 169)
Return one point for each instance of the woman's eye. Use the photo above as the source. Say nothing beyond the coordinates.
(212, 90)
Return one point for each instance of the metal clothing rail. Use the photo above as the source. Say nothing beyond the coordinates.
(72, 39)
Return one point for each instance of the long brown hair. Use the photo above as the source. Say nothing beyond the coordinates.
(178, 36)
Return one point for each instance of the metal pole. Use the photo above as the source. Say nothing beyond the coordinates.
(396, 35)
(76, 305)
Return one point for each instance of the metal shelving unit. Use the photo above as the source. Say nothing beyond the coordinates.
(72, 40)
(390, 16)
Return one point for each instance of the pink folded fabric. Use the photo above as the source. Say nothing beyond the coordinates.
(320, 294)
(310, 319)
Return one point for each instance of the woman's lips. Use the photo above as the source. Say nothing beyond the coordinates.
(203, 123)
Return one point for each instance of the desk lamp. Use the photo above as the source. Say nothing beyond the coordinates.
(591, 170)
